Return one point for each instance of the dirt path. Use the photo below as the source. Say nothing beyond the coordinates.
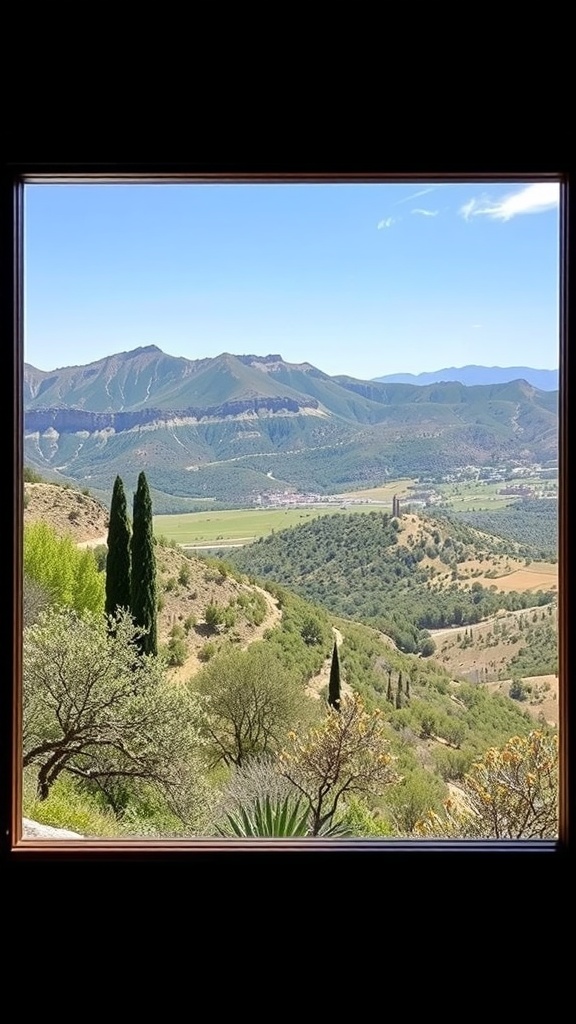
(315, 685)
(192, 665)
(500, 616)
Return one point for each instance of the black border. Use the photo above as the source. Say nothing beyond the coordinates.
(422, 860)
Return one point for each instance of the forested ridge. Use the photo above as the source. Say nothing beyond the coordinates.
(367, 568)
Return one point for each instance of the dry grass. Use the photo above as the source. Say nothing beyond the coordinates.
(488, 654)
(54, 505)
(182, 604)
(544, 700)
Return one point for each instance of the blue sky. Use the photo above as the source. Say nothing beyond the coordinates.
(358, 279)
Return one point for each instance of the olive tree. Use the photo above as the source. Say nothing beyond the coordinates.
(96, 708)
(252, 701)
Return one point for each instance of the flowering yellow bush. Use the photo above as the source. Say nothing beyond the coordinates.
(510, 793)
(348, 753)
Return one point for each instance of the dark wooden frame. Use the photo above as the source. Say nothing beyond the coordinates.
(417, 854)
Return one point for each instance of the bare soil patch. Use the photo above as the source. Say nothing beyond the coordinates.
(544, 702)
(542, 577)
(70, 513)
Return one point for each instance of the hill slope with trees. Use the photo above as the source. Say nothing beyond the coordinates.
(235, 742)
(404, 575)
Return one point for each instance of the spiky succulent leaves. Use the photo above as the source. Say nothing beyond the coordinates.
(334, 683)
(268, 818)
(118, 557)
(143, 576)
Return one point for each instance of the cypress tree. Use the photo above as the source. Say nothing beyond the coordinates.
(143, 576)
(334, 684)
(399, 697)
(118, 557)
(389, 695)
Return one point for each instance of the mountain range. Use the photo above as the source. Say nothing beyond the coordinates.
(234, 428)
(545, 380)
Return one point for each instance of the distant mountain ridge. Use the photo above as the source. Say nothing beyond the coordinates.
(240, 428)
(545, 380)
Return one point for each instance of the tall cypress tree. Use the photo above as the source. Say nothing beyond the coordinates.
(334, 683)
(399, 695)
(143, 576)
(118, 557)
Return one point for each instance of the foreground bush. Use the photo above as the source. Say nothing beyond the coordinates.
(510, 793)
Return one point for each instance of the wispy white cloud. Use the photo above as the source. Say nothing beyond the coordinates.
(530, 199)
(387, 223)
(425, 213)
(416, 195)
(469, 208)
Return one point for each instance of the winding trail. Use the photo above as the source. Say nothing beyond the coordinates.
(315, 685)
(192, 665)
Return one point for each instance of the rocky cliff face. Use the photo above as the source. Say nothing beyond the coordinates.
(67, 421)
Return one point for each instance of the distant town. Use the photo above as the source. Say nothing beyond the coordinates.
(423, 493)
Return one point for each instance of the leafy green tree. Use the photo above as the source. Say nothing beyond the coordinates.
(143, 576)
(334, 682)
(252, 702)
(312, 632)
(97, 709)
(67, 574)
(118, 558)
(427, 647)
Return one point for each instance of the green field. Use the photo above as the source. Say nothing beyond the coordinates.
(398, 488)
(472, 495)
(241, 526)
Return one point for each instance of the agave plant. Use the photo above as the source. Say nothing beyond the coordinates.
(274, 818)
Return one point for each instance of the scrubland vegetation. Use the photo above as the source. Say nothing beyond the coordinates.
(214, 734)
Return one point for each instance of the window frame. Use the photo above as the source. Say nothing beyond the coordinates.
(18, 849)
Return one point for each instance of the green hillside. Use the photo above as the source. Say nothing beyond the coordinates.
(531, 524)
(371, 569)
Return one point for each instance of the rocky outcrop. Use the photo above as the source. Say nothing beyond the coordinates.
(69, 421)
(34, 830)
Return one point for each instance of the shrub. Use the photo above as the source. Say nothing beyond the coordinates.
(207, 651)
(214, 615)
(511, 793)
(177, 651)
(519, 690)
(184, 576)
